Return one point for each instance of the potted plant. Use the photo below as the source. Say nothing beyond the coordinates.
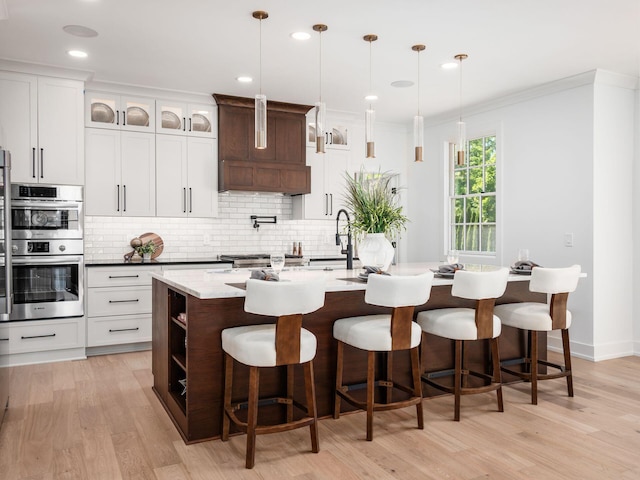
(377, 217)
(146, 250)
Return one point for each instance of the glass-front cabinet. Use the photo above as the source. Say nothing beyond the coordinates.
(106, 110)
(194, 120)
(336, 134)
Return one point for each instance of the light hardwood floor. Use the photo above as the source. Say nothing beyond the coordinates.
(99, 419)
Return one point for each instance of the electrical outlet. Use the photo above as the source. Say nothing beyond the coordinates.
(568, 239)
(206, 241)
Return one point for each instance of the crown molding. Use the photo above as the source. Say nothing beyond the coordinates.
(42, 69)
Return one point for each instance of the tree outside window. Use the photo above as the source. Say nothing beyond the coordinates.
(473, 199)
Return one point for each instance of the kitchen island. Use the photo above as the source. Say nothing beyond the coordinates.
(192, 307)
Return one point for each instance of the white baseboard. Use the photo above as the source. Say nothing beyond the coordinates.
(47, 356)
(595, 353)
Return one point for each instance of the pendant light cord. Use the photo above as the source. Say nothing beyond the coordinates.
(460, 92)
(370, 73)
(419, 99)
(260, 52)
(320, 60)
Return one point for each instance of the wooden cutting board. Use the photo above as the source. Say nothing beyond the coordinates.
(157, 241)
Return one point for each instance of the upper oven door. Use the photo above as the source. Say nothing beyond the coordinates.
(42, 219)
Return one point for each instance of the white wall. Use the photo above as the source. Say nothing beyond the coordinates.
(554, 169)
(635, 253)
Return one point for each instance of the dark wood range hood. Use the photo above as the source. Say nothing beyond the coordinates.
(281, 167)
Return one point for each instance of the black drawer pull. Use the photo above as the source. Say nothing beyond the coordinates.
(124, 276)
(4, 339)
(111, 330)
(39, 336)
(124, 301)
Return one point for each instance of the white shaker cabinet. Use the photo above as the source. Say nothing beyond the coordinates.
(41, 123)
(187, 176)
(120, 173)
(327, 185)
(193, 120)
(120, 112)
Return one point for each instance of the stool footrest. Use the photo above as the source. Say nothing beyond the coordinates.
(465, 390)
(263, 402)
(380, 406)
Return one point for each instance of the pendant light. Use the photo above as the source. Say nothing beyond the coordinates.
(261, 100)
(320, 107)
(369, 114)
(418, 120)
(462, 127)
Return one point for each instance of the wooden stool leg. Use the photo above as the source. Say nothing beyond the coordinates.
(228, 385)
(339, 365)
(371, 380)
(389, 393)
(497, 376)
(252, 415)
(310, 389)
(290, 393)
(567, 360)
(457, 379)
(417, 385)
(534, 367)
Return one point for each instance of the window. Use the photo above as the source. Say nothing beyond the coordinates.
(472, 199)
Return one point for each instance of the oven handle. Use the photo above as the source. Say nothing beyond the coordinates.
(35, 261)
(37, 204)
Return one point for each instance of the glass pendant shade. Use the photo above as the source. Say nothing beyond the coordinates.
(418, 137)
(369, 120)
(261, 122)
(462, 142)
(320, 115)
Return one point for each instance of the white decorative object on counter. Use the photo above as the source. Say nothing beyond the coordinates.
(376, 251)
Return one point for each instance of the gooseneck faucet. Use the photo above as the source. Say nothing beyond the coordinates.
(349, 249)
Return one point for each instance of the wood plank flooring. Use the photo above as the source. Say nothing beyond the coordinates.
(98, 419)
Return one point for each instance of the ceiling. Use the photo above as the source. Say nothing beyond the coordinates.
(203, 45)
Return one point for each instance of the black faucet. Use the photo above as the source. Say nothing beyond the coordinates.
(349, 249)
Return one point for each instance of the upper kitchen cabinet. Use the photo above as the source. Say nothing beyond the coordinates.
(193, 120)
(336, 135)
(187, 176)
(281, 167)
(120, 173)
(107, 110)
(41, 123)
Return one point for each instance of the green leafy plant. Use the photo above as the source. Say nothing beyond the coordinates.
(374, 204)
(148, 247)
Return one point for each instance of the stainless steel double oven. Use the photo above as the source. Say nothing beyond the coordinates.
(47, 252)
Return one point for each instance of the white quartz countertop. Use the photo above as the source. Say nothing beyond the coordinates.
(214, 283)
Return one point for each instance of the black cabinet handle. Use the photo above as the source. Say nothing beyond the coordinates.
(331, 204)
(190, 200)
(118, 195)
(4, 339)
(331, 138)
(184, 124)
(111, 330)
(124, 117)
(42, 163)
(33, 162)
(124, 198)
(38, 336)
(124, 276)
(184, 200)
(117, 117)
(189, 123)
(124, 301)
(326, 203)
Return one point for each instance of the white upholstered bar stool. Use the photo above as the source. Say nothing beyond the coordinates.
(272, 345)
(469, 324)
(540, 317)
(386, 332)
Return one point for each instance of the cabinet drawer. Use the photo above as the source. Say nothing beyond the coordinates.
(120, 276)
(118, 301)
(116, 330)
(46, 335)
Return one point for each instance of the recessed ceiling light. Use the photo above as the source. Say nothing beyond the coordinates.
(244, 79)
(449, 66)
(301, 35)
(80, 31)
(371, 97)
(77, 53)
(402, 83)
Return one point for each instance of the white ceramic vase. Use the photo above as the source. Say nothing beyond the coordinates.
(376, 251)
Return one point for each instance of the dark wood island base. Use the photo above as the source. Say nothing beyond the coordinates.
(193, 351)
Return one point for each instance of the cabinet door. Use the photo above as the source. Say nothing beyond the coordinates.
(171, 176)
(202, 191)
(18, 123)
(335, 168)
(60, 131)
(316, 203)
(138, 158)
(235, 124)
(202, 121)
(103, 189)
(138, 114)
(290, 138)
(102, 110)
(171, 117)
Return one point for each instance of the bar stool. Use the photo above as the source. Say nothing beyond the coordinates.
(465, 324)
(272, 345)
(540, 317)
(384, 333)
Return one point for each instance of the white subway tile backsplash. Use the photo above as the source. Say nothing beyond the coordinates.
(107, 238)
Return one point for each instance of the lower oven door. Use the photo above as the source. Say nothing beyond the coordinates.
(47, 287)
